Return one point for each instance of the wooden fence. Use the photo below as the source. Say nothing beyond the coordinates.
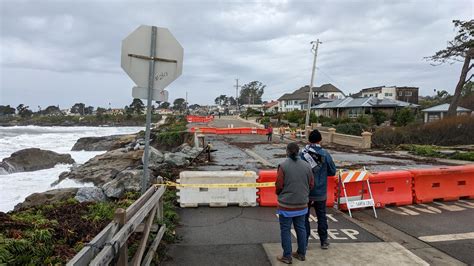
(110, 245)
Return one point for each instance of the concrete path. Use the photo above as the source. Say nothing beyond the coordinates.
(382, 253)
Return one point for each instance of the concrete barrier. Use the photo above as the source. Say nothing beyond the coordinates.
(217, 196)
(363, 142)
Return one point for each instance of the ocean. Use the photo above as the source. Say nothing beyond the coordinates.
(14, 188)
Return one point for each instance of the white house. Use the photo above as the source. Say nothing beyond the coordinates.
(298, 100)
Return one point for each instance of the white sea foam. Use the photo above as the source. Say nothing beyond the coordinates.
(14, 188)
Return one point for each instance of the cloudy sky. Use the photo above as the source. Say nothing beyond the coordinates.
(62, 52)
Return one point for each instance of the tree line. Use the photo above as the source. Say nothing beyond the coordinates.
(135, 107)
(250, 93)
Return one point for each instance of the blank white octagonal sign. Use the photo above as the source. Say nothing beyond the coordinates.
(167, 47)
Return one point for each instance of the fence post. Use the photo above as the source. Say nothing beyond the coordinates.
(196, 138)
(120, 218)
(366, 140)
(331, 131)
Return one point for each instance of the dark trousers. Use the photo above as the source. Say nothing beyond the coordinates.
(320, 209)
(269, 136)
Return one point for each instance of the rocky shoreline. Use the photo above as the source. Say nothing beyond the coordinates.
(117, 171)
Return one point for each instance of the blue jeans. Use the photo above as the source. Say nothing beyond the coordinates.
(320, 208)
(285, 231)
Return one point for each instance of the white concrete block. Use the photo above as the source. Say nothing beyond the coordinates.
(217, 197)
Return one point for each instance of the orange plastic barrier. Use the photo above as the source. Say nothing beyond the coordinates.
(331, 195)
(204, 130)
(443, 183)
(388, 188)
(261, 131)
(199, 119)
(267, 197)
(222, 131)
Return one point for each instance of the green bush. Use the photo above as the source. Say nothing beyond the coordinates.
(295, 116)
(379, 117)
(355, 129)
(265, 120)
(403, 117)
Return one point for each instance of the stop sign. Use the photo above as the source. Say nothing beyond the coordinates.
(136, 58)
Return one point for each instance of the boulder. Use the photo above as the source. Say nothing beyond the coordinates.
(156, 157)
(176, 159)
(33, 159)
(125, 181)
(105, 143)
(90, 194)
(184, 148)
(47, 197)
(104, 167)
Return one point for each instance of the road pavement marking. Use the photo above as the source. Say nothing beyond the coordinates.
(334, 234)
(420, 209)
(312, 218)
(452, 208)
(351, 233)
(408, 211)
(466, 204)
(460, 204)
(395, 211)
(431, 208)
(447, 237)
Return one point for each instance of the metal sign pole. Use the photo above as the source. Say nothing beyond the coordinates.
(151, 77)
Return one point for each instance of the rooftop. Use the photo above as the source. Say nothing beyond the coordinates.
(444, 108)
(351, 102)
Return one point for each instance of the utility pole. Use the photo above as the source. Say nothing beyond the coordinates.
(237, 94)
(186, 104)
(314, 49)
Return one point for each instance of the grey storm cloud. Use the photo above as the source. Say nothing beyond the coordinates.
(62, 52)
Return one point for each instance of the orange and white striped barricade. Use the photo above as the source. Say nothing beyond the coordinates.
(357, 201)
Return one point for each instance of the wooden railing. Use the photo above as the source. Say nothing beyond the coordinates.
(110, 245)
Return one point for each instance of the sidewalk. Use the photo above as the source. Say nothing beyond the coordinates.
(378, 253)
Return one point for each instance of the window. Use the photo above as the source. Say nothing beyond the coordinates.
(400, 93)
(408, 93)
(388, 94)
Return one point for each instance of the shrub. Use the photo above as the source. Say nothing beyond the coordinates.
(351, 128)
(265, 120)
(379, 117)
(363, 119)
(295, 116)
(457, 130)
(403, 117)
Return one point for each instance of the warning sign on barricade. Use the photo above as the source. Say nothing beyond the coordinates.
(355, 201)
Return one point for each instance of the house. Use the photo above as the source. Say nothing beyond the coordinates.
(115, 111)
(271, 107)
(328, 91)
(298, 100)
(258, 107)
(164, 111)
(405, 94)
(440, 111)
(353, 107)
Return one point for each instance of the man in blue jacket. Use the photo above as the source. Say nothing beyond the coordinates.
(322, 166)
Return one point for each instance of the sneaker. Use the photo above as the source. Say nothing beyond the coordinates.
(325, 245)
(284, 259)
(298, 256)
